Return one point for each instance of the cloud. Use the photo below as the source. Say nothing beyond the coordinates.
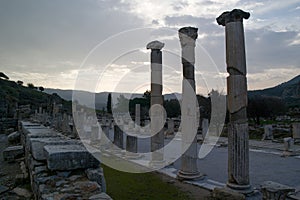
(46, 42)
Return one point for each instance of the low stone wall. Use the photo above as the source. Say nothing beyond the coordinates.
(7, 124)
(59, 167)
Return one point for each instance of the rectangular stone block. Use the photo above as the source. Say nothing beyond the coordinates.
(296, 131)
(37, 145)
(10, 153)
(273, 190)
(69, 157)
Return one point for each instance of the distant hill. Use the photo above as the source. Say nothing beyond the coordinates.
(85, 97)
(13, 95)
(288, 91)
(100, 98)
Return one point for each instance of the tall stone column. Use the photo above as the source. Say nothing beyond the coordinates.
(118, 137)
(156, 111)
(189, 169)
(238, 138)
(137, 115)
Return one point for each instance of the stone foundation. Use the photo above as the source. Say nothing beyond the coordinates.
(60, 168)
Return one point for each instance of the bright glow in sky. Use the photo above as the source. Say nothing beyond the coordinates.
(46, 42)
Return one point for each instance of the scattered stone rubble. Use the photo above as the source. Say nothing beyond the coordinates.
(59, 167)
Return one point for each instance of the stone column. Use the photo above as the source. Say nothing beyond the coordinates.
(204, 127)
(137, 115)
(131, 147)
(156, 112)
(118, 137)
(105, 142)
(94, 135)
(170, 127)
(268, 132)
(296, 131)
(189, 169)
(238, 138)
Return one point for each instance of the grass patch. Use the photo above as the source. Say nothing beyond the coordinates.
(146, 186)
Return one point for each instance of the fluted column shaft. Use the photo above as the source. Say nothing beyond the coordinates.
(238, 137)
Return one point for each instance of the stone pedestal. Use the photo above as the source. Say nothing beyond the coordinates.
(204, 127)
(188, 169)
(118, 137)
(156, 112)
(105, 141)
(171, 125)
(94, 135)
(238, 138)
(137, 115)
(268, 132)
(131, 147)
(296, 131)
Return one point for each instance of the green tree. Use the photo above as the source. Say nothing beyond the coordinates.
(41, 89)
(147, 97)
(264, 106)
(2, 75)
(172, 107)
(20, 82)
(122, 104)
(108, 105)
(30, 85)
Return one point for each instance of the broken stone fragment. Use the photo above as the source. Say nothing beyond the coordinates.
(11, 153)
(14, 137)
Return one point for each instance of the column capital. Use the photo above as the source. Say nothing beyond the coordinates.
(232, 16)
(155, 45)
(188, 36)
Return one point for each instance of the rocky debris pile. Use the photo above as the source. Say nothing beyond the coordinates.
(59, 167)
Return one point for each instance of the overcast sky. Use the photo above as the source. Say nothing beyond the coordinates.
(100, 45)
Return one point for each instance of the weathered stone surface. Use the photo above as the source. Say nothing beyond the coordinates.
(22, 192)
(87, 186)
(14, 137)
(10, 153)
(102, 196)
(204, 127)
(288, 144)
(155, 45)
(97, 176)
(55, 181)
(171, 125)
(118, 136)
(137, 115)
(37, 145)
(238, 137)
(238, 156)
(273, 190)
(268, 132)
(232, 16)
(296, 131)
(226, 194)
(237, 93)
(69, 157)
(188, 169)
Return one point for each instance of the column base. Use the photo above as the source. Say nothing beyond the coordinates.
(157, 164)
(95, 142)
(132, 156)
(243, 189)
(181, 175)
